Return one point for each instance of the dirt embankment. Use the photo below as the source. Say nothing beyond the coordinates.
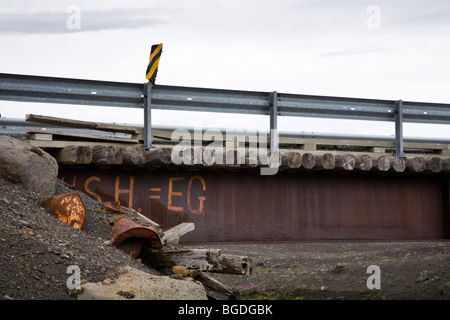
(36, 248)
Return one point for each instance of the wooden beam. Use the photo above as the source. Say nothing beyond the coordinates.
(364, 162)
(398, 164)
(102, 155)
(214, 289)
(211, 260)
(74, 155)
(346, 161)
(78, 137)
(172, 235)
(70, 123)
(416, 164)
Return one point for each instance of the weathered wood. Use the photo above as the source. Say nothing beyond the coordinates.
(133, 156)
(74, 155)
(328, 161)
(383, 163)
(290, 159)
(71, 123)
(346, 161)
(77, 137)
(294, 159)
(434, 164)
(365, 162)
(308, 160)
(416, 164)
(40, 136)
(60, 144)
(158, 156)
(215, 289)
(236, 264)
(445, 165)
(202, 259)
(102, 155)
(172, 235)
(316, 162)
(398, 164)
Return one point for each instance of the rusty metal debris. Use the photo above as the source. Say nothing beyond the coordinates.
(132, 236)
(116, 207)
(68, 207)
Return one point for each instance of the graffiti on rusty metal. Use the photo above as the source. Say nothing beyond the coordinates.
(245, 206)
(178, 193)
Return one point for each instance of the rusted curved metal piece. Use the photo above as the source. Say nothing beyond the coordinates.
(137, 236)
(68, 207)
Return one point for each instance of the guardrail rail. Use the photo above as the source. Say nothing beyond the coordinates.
(27, 88)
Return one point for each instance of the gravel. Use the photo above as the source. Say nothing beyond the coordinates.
(36, 249)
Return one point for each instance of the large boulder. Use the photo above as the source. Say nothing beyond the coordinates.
(27, 166)
(139, 285)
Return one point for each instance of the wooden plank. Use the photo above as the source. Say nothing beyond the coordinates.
(59, 144)
(74, 155)
(72, 136)
(172, 235)
(211, 260)
(102, 155)
(365, 162)
(41, 136)
(134, 131)
(214, 289)
(71, 123)
(416, 164)
(345, 161)
(376, 146)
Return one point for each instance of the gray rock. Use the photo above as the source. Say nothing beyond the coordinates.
(423, 276)
(27, 166)
(143, 286)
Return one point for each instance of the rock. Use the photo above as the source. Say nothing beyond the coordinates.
(180, 270)
(423, 276)
(337, 269)
(139, 285)
(28, 167)
(177, 276)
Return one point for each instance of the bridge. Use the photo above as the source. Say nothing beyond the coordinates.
(244, 185)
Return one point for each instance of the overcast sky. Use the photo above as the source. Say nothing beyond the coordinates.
(367, 49)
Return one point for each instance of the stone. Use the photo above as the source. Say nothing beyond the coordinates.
(180, 270)
(141, 285)
(27, 166)
(423, 276)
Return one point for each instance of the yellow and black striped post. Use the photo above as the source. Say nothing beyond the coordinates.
(152, 68)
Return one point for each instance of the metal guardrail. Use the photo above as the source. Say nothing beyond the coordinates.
(27, 88)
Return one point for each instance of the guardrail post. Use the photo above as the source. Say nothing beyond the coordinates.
(147, 116)
(399, 129)
(273, 106)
